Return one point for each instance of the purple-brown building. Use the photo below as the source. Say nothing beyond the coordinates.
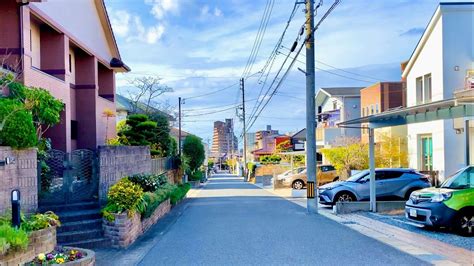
(69, 49)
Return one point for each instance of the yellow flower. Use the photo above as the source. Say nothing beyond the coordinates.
(73, 252)
(41, 256)
(59, 260)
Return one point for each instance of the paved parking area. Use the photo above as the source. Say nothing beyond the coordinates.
(443, 235)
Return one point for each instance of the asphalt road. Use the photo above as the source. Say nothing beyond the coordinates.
(235, 223)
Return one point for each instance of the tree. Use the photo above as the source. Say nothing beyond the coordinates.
(148, 88)
(391, 152)
(17, 131)
(140, 131)
(162, 143)
(107, 113)
(193, 153)
(347, 154)
(45, 109)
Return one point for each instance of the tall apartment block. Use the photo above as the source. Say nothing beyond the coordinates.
(224, 142)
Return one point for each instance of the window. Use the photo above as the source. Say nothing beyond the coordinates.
(372, 109)
(73, 129)
(427, 88)
(334, 105)
(376, 108)
(392, 174)
(367, 111)
(70, 63)
(363, 112)
(419, 90)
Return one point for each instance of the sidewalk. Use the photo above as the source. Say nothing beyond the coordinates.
(422, 247)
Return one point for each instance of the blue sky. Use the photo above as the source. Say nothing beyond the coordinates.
(201, 46)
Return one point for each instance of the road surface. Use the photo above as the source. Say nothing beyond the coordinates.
(230, 222)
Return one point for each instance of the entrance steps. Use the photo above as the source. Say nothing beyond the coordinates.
(81, 225)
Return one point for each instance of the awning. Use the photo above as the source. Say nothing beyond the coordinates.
(445, 109)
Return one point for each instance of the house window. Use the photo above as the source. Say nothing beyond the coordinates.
(70, 63)
(334, 105)
(377, 108)
(73, 129)
(367, 111)
(427, 88)
(372, 109)
(363, 112)
(419, 90)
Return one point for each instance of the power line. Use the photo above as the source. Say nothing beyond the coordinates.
(271, 59)
(214, 107)
(295, 58)
(342, 70)
(213, 112)
(259, 37)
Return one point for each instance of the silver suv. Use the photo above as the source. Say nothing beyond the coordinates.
(391, 183)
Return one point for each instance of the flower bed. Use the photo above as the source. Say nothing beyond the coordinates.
(135, 203)
(126, 228)
(66, 256)
(40, 241)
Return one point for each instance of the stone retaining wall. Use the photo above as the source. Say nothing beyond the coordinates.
(20, 174)
(124, 230)
(41, 241)
(116, 162)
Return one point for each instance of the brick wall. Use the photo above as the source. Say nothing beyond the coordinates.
(20, 174)
(125, 230)
(116, 162)
(41, 241)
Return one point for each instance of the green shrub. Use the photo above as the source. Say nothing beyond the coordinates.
(123, 196)
(193, 153)
(196, 176)
(16, 125)
(12, 239)
(179, 193)
(270, 159)
(149, 182)
(41, 221)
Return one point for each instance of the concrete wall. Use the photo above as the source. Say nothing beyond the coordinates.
(20, 174)
(116, 162)
(82, 20)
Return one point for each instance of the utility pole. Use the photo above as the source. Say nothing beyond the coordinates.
(179, 127)
(242, 86)
(312, 193)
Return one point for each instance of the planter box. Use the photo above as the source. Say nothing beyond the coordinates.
(41, 241)
(195, 184)
(125, 230)
(88, 260)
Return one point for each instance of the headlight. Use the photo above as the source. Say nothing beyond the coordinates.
(440, 197)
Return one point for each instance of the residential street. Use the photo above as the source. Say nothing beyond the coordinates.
(231, 222)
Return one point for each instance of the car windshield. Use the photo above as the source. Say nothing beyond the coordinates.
(460, 180)
(357, 176)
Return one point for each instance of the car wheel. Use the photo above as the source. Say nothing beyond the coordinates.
(344, 197)
(298, 184)
(465, 224)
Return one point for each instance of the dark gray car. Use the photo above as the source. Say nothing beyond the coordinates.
(391, 183)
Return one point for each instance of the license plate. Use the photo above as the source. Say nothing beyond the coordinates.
(412, 212)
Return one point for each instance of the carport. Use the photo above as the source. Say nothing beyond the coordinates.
(459, 107)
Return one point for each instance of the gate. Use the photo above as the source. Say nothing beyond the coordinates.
(68, 177)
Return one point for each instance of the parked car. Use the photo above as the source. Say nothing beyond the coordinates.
(451, 205)
(326, 174)
(290, 173)
(391, 183)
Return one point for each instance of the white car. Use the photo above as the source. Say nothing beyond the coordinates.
(290, 173)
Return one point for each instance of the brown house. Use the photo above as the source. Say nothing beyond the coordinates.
(379, 98)
(67, 48)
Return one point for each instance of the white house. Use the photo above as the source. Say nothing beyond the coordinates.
(335, 105)
(442, 64)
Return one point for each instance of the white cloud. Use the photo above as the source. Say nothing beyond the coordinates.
(131, 28)
(217, 12)
(120, 21)
(154, 34)
(161, 7)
